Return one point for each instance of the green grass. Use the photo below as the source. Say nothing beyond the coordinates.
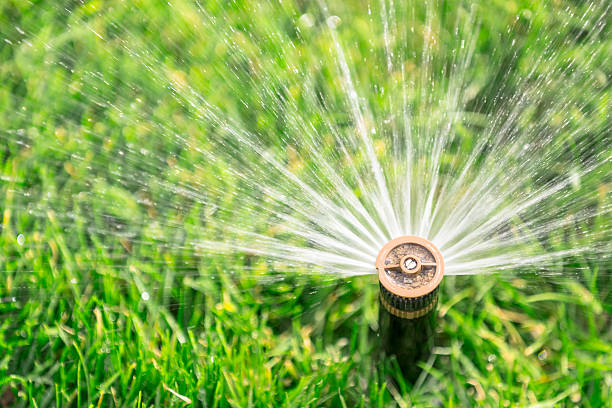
(230, 331)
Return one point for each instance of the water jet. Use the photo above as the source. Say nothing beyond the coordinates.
(410, 270)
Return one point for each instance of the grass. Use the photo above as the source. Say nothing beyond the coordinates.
(101, 304)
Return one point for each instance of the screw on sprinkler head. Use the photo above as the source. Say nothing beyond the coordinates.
(410, 270)
(410, 267)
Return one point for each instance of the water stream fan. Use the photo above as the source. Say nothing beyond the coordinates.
(410, 270)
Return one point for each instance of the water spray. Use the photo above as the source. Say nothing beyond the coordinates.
(410, 270)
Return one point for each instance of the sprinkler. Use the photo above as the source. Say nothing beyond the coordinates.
(410, 270)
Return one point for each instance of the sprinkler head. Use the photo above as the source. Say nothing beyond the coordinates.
(410, 270)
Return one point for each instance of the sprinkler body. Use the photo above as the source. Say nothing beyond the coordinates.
(410, 270)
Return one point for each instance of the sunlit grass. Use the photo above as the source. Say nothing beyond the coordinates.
(102, 304)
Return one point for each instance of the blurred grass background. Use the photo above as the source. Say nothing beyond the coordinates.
(102, 304)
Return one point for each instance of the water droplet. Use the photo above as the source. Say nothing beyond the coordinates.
(307, 20)
(542, 355)
(145, 296)
(20, 239)
(333, 21)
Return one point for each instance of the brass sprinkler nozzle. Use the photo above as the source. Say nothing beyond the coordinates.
(410, 270)
(410, 267)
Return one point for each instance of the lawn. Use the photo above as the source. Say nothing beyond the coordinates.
(112, 171)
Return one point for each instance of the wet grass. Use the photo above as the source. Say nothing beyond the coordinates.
(101, 304)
